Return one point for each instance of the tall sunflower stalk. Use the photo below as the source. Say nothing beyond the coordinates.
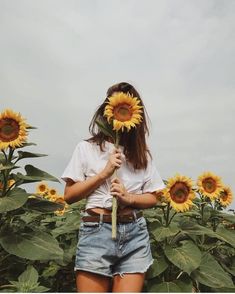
(13, 134)
(122, 112)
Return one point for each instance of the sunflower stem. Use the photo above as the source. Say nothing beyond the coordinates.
(172, 217)
(114, 201)
(164, 213)
(167, 214)
(6, 172)
(202, 212)
(4, 153)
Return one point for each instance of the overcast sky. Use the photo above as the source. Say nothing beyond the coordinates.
(57, 59)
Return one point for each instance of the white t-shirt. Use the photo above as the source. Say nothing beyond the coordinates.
(88, 160)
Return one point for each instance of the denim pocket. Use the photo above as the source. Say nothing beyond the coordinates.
(89, 228)
(141, 222)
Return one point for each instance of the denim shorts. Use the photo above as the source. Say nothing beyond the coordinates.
(98, 253)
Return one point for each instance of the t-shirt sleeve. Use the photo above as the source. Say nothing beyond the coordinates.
(75, 169)
(152, 180)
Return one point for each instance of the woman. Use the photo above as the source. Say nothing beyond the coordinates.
(103, 264)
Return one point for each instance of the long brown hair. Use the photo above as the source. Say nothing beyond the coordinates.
(134, 141)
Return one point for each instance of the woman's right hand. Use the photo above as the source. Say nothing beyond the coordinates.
(113, 163)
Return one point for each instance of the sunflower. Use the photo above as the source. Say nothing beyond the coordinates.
(179, 193)
(123, 110)
(209, 185)
(62, 210)
(52, 192)
(226, 196)
(13, 129)
(42, 188)
(52, 198)
(10, 183)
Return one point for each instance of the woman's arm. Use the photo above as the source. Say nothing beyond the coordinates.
(142, 201)
(75, 191)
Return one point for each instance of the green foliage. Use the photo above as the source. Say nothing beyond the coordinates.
(186, 255)
(211, 274)
(14, 199)
(28, 247)
(28, 282)
(191, 253)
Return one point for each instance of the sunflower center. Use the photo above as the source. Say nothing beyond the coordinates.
(122, 112)
(9, 129)
(179, 192)
(42, 188)
(209, 185)
(53, 192)
(224, 195)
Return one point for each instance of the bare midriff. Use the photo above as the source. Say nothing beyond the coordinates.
(99, 210)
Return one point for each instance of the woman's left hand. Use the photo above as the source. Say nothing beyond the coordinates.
(119, 191)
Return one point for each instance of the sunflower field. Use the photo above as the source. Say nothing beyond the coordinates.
(192, 232)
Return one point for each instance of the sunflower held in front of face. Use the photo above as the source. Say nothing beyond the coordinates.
(123, 110)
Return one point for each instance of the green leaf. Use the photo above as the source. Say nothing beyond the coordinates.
(43, 205)
(2, 158)
(41, 289)
(13, 200)
(25, 154)
(30, 275)
(189, 213)
(160, 232)
(50, 270)
(26, 145)
(36, 175)
(70, 224)
(159, 266)
(211, 274)
(230, 270)
(185, 284)
(206, 213)
(226, 216)
(33, 246)
(226, 235)
(223, 290)
(105, 128)
(165, 287)
(191, 227)
(187, 256)
(8, 167)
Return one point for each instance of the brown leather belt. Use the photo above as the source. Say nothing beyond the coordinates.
(107, 218)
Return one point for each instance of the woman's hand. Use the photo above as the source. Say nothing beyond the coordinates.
(113, 163)
(119, 191)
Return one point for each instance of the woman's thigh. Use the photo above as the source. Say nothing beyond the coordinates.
(128, 282)
(91, 282)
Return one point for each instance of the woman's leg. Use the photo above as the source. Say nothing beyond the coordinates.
(128, 282)
(90, 282)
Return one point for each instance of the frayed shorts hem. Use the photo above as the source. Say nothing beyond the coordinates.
(92, 271)
(122, 273)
